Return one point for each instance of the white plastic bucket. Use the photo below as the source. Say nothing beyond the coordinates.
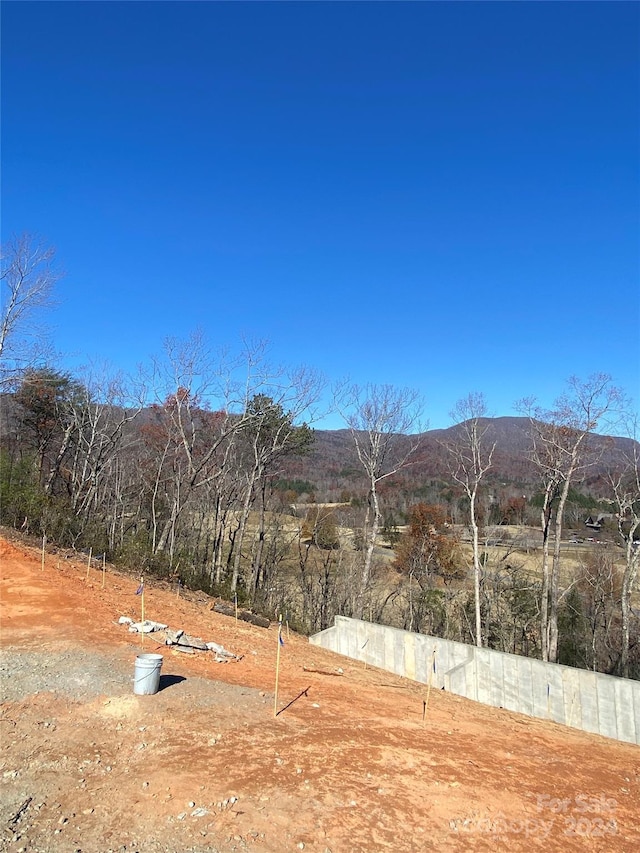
(146, 679)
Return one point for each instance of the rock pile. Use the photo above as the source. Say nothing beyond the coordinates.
(179, 640)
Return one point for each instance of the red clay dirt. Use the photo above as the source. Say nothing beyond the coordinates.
(203, 765)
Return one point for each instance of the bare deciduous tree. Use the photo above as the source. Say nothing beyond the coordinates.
(470, 457)
(104, 409)
(28, 276)
(194, 438)
(380, 419)
(561, 452)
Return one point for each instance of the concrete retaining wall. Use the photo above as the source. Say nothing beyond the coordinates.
(575, 697)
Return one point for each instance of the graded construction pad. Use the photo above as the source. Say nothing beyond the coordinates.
(348, 765)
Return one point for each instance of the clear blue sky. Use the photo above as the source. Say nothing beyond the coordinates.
(436, 195)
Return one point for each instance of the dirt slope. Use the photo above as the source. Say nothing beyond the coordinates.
(86, 765)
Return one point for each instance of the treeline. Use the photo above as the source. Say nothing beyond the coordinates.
(181, 489)
(165, 486)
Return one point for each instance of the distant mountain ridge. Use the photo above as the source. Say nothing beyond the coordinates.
(332, 464)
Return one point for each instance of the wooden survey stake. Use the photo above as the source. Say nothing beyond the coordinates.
(280, 642)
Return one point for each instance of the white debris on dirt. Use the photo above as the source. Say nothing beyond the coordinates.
(146, 627)
(221, 651)
(200, 812)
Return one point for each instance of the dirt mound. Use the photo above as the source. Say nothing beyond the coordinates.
(347, 765)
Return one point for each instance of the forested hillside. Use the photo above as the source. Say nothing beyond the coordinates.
(329, 470)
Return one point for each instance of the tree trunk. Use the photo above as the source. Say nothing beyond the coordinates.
(371, 534)
(555, 573)
(239, 538)
(546, 515)
(257, 557)
(476, 569)
(628, 580)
